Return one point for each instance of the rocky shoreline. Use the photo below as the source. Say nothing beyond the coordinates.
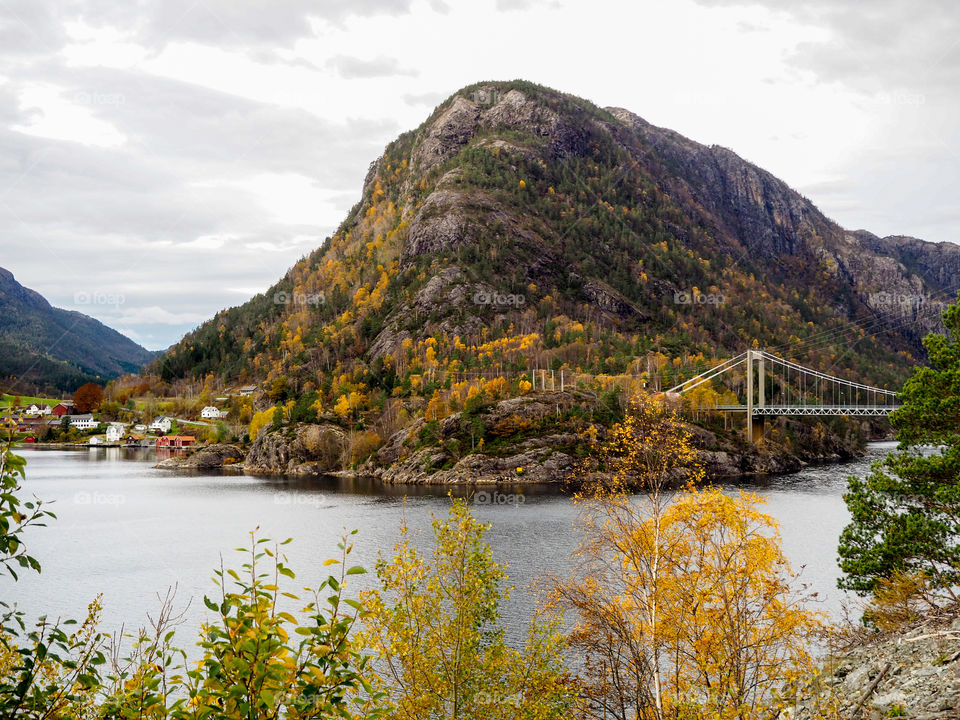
(529, 442)
(539, 452)
(914, 673)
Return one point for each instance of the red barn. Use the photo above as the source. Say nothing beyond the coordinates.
(64, 408)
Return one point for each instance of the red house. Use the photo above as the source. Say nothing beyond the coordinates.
(175, 441)
(64, 408)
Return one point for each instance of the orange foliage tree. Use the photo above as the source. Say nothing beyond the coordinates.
(88, 397)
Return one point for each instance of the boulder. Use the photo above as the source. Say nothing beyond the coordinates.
(302, 449)
(210, 457)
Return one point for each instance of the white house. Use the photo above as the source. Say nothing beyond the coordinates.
(211, 413)
(39, 410)
(161, 424)
(115, 432)
(83, 422)
(95, 440)
(140, 428)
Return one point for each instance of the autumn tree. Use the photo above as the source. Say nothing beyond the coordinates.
(260, 420)
(434, 623)
(88, 397)
(683, 596)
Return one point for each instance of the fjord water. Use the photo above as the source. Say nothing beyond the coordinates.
(129, 531)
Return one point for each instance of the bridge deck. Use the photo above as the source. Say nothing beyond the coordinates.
(857, 410)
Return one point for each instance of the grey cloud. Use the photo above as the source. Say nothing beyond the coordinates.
(198, 129)
(77, 218)
(29, 28)
(36, 26)
(352, 68)
(508, 5)
(430, 99)
(884, 46)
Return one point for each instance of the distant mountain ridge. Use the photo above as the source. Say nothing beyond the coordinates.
(47, 347)
(612, 240)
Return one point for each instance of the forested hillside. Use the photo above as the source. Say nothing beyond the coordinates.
(48, 348)
(520, 227)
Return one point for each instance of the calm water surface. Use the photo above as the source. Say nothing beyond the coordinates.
(129, 531)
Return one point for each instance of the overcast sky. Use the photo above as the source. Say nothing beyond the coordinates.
(163, 159)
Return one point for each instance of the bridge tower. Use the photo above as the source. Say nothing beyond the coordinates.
(756, 382)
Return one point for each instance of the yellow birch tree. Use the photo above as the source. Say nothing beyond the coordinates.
(434, 625)
(683, 596)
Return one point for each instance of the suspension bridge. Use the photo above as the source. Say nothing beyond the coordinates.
(774, 386)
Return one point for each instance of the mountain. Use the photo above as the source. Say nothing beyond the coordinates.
(45, 347)
(520, 227)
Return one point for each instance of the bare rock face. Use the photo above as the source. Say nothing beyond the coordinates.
(301, 450)
(610, 301)
(515, 111)
(543, 459)
(449, 219)
(445, 288)
(447, 134)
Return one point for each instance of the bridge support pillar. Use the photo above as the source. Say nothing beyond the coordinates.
(757, 426)
(750, 384)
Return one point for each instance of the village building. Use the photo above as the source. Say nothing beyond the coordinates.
(63, 408)
(161, 424)
(211, 413)
(83, 422)
(175, 441)
(115, 432)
